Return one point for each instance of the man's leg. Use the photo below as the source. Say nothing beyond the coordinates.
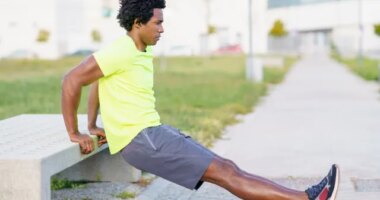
(247, 186)
(164, 151)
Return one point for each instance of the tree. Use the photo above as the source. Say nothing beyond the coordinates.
(278, 29)
(43, 36)
(377, 29)
(211, 29)
(96, 37)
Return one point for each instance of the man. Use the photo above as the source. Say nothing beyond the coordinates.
(123, 80)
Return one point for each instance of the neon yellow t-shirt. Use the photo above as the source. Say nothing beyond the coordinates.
(126, 95)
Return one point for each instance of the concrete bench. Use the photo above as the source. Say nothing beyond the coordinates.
(33, 148)
(273, 61)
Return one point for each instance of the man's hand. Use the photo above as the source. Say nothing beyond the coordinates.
(99, 132)
(85, 142)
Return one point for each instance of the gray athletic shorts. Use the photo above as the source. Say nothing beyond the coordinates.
(166, 152)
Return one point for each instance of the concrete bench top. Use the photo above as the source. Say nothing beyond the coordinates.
(40, 137)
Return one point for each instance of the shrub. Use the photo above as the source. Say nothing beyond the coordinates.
(377, 29)
(278, 29)
(96, 37)
(59, 184)
(211, 29)
(43, 36)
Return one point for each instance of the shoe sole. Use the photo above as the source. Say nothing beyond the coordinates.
(337, 181)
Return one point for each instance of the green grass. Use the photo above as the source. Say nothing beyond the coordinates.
(126, 195)
(198, 95)
(367, 68)
(59, 184)
(33, 86)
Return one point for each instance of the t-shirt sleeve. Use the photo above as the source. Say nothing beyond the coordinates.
(110, 60)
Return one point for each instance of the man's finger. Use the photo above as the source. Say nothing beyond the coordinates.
(84, 149)
(91, 146)
(87, 147)
(101, 134)
(82, 146)
(101, 138)
(101, 142)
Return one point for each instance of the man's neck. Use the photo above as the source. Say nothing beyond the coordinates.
(136, 39)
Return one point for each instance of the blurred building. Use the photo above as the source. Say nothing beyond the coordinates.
(311, 25)
(319, 25)
(70, 26)
(195, 27)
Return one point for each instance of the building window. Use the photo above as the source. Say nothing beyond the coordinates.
(287, 3)
(281, 3)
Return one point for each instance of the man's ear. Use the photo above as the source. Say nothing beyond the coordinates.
(137, 24)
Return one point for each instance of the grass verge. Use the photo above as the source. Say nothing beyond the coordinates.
(367, 68)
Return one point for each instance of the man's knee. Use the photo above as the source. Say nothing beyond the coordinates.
(220, 171)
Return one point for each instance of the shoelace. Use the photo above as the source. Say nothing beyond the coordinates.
(314, 191)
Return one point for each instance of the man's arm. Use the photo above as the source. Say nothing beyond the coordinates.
(92, 112)
(93, 104)
(85, 73)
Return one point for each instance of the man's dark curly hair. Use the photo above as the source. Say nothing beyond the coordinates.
(142, 10)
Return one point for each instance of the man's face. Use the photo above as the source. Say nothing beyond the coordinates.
(151, 31)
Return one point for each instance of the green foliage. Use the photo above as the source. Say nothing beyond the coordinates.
(211, 29)
(43, 36)
(126, 195)
(96, 36)
(334, 49)
(59, 184)
(377, 29)
(278, 29)
(98, 177)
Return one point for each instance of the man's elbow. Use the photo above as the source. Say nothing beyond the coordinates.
(69, 81)
(65, 80)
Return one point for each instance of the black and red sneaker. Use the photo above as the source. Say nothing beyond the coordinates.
(327, 188)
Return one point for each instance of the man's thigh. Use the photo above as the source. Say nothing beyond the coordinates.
(166, 152)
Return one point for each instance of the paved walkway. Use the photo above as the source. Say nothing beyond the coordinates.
(321, 114)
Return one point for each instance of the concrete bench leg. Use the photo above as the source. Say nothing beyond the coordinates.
(30, 179)
(102, 167)
(23, 180)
